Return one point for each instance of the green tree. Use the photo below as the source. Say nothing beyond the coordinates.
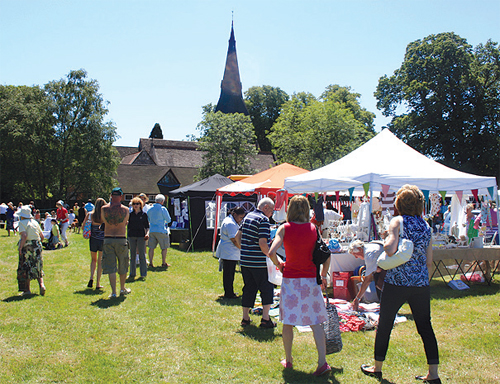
(26, 129)
(311, 133)
(444, 102)
(156, 132)
(229, 143)
(84, 156)
(264, 106)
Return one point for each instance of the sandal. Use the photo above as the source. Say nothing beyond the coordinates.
(430, 381)
(364, 369)
(286, 364)
(244, 322)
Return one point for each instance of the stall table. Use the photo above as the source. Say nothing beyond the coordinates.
(461, 256)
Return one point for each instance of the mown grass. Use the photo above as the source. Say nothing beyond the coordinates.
(174, 328)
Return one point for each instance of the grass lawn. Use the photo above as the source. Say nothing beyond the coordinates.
(174, 328)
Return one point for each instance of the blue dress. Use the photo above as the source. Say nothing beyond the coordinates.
(414, 272)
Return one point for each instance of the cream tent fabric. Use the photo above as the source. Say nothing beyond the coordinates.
(387, 160)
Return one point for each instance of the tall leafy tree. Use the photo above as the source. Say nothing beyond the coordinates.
(444, 101)
(86, 160)
(311, 133)
(156, 132)
(264, 106)
(229, 142)
(26, 147)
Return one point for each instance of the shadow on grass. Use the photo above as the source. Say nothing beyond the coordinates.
(292, 376)
(258, 334)
(89, 292)
(107, 303)
(221, 300)
(19, 298)
(157, 269)
(441, 291)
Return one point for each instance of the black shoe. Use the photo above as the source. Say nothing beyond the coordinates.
(267, 323)
(233, 296)
(90, 284)
(377, 375)
(244, 322)
(432, 381)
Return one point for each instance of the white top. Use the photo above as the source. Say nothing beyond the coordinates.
(372, 252)
(226, 249)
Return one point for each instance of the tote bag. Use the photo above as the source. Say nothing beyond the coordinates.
(332, 329)
(274, 275)
(402, 255)
(87, 227)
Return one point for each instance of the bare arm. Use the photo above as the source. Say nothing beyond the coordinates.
(391, 242)
(366, 282)
(22, 240)
(236, 243)
(263, 245)
(238, 237)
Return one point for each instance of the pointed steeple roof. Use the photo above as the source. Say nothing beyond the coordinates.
(231, 96)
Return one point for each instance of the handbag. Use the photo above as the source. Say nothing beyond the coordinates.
(402, 255)
(321, 253)
(274, 275)
(332, 329)
(87, 227)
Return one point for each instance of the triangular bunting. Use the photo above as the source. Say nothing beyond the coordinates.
(443, 195)
(385, 189)
(459, 195)
(366, 187)
(351, 191)
(426, 195)
(337, 195)
(474, 193)
(491, 191)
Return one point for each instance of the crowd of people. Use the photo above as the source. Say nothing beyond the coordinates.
(119, 236)
(246, 239)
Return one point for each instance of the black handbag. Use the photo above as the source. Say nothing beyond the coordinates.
(321, 253)
(332, 329)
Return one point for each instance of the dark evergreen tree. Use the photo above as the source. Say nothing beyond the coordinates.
(156, 132)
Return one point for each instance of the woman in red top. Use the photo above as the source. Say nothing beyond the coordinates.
(63, 218)
(302, 301)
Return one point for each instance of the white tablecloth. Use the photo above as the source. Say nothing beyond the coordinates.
(344, 262)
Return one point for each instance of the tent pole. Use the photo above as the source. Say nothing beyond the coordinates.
(191, 243)
(371, 214)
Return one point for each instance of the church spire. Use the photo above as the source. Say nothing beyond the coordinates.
(231, 96)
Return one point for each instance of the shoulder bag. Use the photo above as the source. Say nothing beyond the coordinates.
(402, 255)
(321, 253)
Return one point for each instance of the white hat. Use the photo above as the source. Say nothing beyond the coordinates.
(60, 202)
(25, 212)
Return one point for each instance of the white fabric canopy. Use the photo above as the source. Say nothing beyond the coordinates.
(387, 160)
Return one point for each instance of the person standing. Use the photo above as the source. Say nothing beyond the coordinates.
(138, 233)
(228, 249)
(115, 246)
(254, 236)
(408, 282)
(96, 242)
(10, 218)
(82, 212)
(63, 218)
(159, 218)
(301, 301)
(30, 252)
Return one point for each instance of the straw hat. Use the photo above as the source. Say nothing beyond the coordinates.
(24, 212)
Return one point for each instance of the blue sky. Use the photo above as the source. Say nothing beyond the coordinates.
(161, 61)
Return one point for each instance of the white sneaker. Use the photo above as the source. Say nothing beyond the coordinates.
(125, 291)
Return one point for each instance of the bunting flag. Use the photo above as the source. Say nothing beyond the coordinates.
(366, 187)
(426, 195)
(385, 189)
(474, 193)
(491, 191)
(459, 195)
(351, 191)
(337, 195)
(443, 195)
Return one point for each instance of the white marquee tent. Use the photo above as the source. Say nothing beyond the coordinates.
(386, 160)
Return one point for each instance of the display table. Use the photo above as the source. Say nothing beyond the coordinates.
(459, 258)
(179, 235)
(344, 262)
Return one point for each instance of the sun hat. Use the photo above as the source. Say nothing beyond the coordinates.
(24, 212)
(60, 202)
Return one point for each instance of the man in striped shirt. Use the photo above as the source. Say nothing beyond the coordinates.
(254, 236)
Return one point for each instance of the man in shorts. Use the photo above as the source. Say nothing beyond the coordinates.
(115, 246)
(158, 217)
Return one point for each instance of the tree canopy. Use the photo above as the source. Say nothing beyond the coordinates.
(444, 102)
(229, 142)
(56, 144)
(311, 132)
(264, 106)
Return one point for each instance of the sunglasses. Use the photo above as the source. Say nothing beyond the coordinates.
(136, 203)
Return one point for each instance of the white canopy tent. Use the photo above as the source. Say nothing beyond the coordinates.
(386, 163)
(386, 160)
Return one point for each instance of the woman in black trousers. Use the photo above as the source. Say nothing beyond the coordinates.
(408, 282)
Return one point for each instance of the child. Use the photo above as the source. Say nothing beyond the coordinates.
(54, 242)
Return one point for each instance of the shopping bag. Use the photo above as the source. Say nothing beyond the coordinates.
(332, 329)
(274, 275)
(402, 255)
(87, 228)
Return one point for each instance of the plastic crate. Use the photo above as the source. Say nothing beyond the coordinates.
(340, 284)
